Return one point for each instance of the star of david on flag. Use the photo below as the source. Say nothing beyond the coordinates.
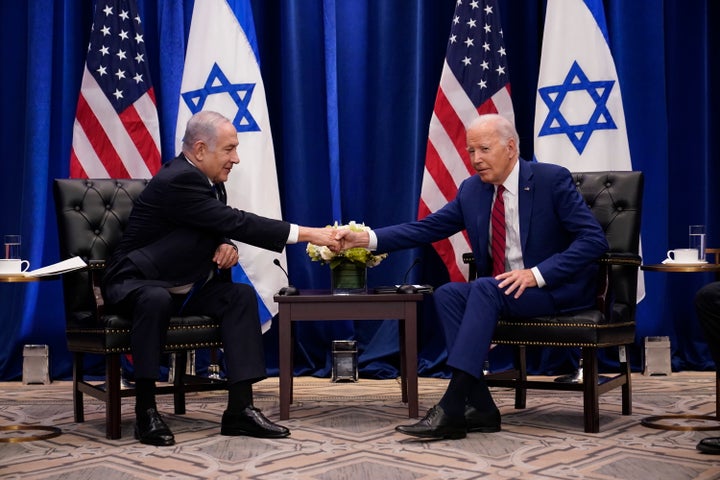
(218, 84)
(597, 92)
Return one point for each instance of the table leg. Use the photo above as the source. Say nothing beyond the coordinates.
(411, 365)
(285, 359)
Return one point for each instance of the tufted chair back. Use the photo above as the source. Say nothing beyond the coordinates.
(91, 217)
(615, 199)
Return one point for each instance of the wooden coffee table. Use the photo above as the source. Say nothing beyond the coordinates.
(313, 305)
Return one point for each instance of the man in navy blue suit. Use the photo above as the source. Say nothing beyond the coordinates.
(174, 258)
(552, 242)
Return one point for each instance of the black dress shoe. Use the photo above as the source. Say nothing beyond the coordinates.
(436, 424)
(252, 423)
(709, 445)
(485, 422)
(150, 429)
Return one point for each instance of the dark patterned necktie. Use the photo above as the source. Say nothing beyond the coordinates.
(220, 194)
(498, 233)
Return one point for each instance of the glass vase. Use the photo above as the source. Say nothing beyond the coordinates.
(348, 278)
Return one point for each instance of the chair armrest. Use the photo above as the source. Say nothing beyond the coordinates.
(621, 258)
(603, 298)
(97, 267)
(469, 259)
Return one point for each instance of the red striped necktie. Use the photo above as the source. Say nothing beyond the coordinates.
(498, 232)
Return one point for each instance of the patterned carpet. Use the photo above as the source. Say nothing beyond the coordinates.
(345, 431)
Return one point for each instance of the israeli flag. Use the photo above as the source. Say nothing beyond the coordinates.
(222, 74)
(579, 116)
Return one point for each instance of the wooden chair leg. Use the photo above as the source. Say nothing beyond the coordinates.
(591, 393)
(521, 389)
(627, 386)
(181, 359)
(78, 376)
(113, 402)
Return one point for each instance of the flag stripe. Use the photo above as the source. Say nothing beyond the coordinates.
(101, 148)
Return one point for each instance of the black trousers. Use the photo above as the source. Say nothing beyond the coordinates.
(233, 304)
(707, 306)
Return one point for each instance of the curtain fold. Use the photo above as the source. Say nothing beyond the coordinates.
(350, 87)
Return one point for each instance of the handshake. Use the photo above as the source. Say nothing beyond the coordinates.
(337, 239)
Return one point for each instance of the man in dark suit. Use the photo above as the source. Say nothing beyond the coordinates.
(707, 306)
(545, 264)
(173, 258)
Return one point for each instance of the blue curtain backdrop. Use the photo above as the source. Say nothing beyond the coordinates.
(350, 86)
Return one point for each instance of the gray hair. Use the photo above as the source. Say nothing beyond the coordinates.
(203, 126)
(504, 127)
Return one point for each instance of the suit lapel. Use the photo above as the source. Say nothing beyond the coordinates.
(526, 192)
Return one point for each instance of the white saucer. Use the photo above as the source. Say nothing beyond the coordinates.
(667, 261)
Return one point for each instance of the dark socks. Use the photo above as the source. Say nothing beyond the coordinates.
(144, 394)
(455, 397)
(240, 396)
(479, 396)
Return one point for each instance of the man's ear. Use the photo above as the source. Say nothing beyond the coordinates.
(199, 150)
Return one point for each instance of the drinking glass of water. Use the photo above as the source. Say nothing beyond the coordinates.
(697, 240)
(12, 247)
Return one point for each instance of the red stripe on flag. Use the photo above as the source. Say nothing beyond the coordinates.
(439, 173)
(76, 170)
(454, 127)
(142, 138)
(487, 107)
(448, 255)
(99, 140)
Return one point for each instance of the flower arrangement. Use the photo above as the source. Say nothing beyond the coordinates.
(359, 256)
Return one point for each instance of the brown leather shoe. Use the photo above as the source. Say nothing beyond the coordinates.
(436, 425)
(150, 429)
(484, 422)
(251, 423)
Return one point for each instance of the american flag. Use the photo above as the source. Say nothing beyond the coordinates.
(474, 81)
(116, 132)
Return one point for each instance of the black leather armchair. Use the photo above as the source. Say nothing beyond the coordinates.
(91, 216)
(615, 199)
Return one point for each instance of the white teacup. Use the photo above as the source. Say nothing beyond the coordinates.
(683, 255)
(13, 265)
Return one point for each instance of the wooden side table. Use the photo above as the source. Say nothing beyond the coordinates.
(657, 421)
(49, 432)
(313, 305)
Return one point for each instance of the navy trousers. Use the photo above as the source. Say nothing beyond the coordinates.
(470, 311)
(233, 304)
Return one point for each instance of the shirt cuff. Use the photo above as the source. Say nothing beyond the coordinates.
(538, 277)
(293, 235)
(372, 240)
